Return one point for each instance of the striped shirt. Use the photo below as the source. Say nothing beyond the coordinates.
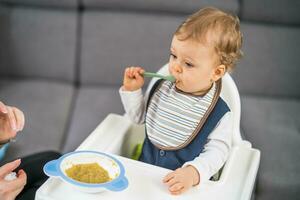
(173, 116)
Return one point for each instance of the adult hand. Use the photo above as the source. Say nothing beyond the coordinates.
(10, 189)
(181, 179)
(11, 121)
(133, 78)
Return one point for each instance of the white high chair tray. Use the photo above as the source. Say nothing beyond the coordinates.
(145, 181)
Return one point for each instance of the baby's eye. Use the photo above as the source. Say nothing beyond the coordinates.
(173, 56)
(189, 64)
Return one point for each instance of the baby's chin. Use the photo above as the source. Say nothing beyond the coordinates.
(180, 87)
(183, 89)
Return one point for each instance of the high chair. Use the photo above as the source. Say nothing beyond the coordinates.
(117, 135)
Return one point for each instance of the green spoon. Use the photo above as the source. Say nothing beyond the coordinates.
(151, 75)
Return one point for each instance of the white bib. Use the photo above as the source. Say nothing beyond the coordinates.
(173, 116)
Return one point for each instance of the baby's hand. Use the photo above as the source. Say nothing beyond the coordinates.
(181, 179)
(133, 78)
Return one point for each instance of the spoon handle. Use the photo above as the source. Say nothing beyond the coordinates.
(151, 75)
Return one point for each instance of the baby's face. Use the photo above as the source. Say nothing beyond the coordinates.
(192, 64)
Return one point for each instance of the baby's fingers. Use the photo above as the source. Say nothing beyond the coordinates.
(176, 188)
(178, 192)
(137, 71)
(172, 182)
(129, 72)
(126, 72)
(138, 76)
(140, 70)
(168, 177)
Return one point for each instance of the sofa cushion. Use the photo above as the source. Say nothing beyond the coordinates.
(273, 127)
(48, 3)
(92, 105)
(38, 43)
(276, 11)
(178, 6)
(46, 106)
(112, 41)
(270, 63)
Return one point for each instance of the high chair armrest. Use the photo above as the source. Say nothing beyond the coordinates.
(112, 131)
(239, 172)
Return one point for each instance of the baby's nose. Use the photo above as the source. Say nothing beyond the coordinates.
(177, 68)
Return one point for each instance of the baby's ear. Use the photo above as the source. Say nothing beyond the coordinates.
(219, 72)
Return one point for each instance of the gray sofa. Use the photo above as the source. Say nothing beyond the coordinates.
(61, 62)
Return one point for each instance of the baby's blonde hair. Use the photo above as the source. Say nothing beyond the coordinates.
(215, 27)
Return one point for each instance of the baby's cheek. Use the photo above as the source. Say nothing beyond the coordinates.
(192, 85)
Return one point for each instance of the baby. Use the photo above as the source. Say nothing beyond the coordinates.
(187, 122)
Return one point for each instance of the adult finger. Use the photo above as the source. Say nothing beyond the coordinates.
(3, 108)
(16, 186)
(20, 119)
(22, 175)
(9, 167)
(12, 119)
(19, 182)
(15, 193)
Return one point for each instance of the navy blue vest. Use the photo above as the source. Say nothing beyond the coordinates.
(173, 159)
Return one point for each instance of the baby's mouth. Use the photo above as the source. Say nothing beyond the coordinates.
(178, 86)
(177, 83)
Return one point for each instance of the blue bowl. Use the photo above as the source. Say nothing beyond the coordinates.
(116, 171)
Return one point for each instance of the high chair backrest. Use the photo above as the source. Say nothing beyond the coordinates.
(230, 95)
